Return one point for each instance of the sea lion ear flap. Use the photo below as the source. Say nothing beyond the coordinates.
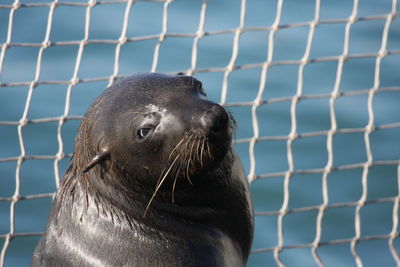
(102, 155)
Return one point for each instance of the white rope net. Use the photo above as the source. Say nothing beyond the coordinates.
(324, 195)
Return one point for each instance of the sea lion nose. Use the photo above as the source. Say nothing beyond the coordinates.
(214, 120)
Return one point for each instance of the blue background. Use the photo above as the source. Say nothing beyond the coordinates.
(214, 51)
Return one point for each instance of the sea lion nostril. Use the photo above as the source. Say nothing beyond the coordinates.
(214, 119)
(216, 127)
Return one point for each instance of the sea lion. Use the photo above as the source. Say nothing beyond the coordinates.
(153, 181)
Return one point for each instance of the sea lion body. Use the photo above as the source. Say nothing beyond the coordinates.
(153, 182)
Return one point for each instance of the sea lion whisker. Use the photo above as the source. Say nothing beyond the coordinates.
(189, 161)
(158, 186)
(176, 147)
(163, 173)
(201, 142)
(189, 180)
(186, 143)
(185, 169)
(173, 186)
(169, 158)
(193, 149)
(177, 168)
(197, 150)
(201, 152)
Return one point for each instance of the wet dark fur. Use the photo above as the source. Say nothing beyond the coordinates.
(194, 211)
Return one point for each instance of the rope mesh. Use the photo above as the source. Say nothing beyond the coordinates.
(266, 95)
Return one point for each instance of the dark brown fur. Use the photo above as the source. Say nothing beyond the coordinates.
(177, 196)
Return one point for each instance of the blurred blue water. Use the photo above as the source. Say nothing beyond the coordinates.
(58, 63)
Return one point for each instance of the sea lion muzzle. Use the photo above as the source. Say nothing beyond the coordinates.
(214, 120)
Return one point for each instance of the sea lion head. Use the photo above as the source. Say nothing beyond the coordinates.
(153, 131)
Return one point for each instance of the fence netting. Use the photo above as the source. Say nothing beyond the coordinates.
(314, 86)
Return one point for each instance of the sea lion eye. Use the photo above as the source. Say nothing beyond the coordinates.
(143, 132)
